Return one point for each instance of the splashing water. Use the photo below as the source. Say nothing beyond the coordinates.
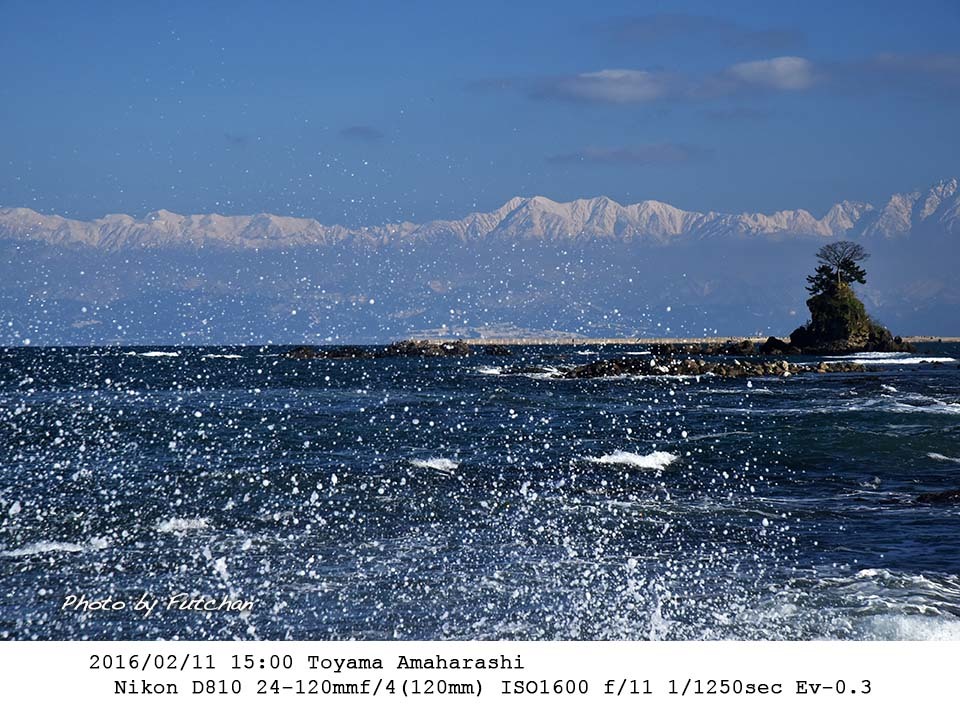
(429, 498)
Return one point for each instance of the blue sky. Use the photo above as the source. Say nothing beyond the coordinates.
(366, 112)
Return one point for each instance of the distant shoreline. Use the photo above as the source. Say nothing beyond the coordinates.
(507, 340)
(432, 338)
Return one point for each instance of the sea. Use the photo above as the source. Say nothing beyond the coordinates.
(476, 497)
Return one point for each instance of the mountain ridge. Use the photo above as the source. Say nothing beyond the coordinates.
(536, 218)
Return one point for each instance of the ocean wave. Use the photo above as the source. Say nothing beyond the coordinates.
(181, 525)
(46, 547)
(890, 358)
(883, 591)
(436, 463)
(540, 373)
(549, 373)
(940, 457)
(657, 460)
(211, 356)
(933, 407)
(637, 352)
(741, 391)
(719, 435)
(902, 404)
(869, 604)
(155, 353)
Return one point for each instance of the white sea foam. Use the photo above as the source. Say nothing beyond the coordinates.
(549, 373)
(900, 627)
(46, 547)
(181, 525)
(869, 356)
(637, 352)
(211, 356)
(697, 378)
(718, 435)
(901, 403)
(586, 352)
(934, 406)
(753, 390)
(436, 463)
(940, 457)
(155, 353)
(891, 358)
(902, 360)
(657, 460)
(877, 603)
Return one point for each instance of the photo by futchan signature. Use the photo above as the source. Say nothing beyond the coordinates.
(146, 604)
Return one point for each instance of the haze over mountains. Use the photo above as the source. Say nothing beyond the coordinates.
(590, 267)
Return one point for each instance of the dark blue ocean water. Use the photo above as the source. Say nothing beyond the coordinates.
(444, 498)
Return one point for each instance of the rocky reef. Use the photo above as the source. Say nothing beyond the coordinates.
(697, 367)
(402, 348)
(428, 348)
(341, 352)
(728, 347)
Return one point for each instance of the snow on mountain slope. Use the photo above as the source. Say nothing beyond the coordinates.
(937, 208)
(534, 219)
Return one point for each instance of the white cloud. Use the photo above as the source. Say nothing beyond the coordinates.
(611, 85)
(937, 74)
(630, 86)
(779, 73)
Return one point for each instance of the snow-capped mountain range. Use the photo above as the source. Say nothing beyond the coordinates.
(934, 210)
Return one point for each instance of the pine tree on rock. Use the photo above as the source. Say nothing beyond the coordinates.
(839, 264)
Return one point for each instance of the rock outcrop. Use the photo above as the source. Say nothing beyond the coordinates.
(402, 348)
(697, 367)
(303, 352)
(838, 325)
(428, 348)
(775, 346)
(940, 498)
(340, 352)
